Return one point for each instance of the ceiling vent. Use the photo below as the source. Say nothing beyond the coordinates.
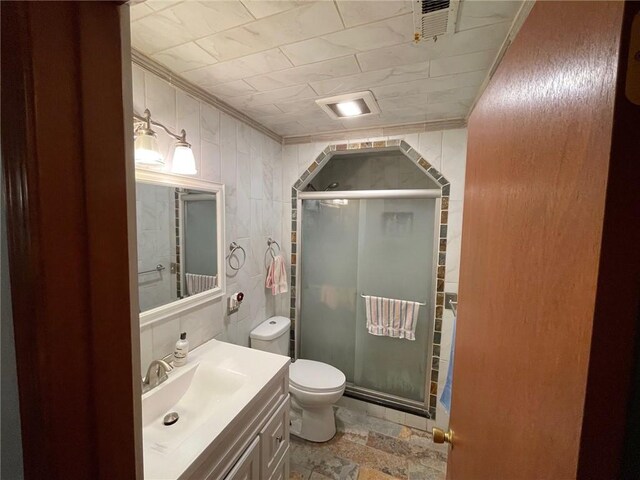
(432, 18)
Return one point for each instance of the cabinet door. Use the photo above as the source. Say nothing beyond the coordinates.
(274, 439)
(248, 467)
(282, 470)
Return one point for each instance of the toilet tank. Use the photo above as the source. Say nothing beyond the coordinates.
(272, 335)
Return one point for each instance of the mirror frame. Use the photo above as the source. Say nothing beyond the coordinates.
(183, 305)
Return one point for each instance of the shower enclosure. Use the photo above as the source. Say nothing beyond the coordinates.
(368, 242)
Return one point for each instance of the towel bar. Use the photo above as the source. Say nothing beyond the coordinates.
(454, 307)
(419, 303)
(158, 269)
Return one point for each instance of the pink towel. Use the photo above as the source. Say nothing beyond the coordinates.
(391, 318)
(277, 276)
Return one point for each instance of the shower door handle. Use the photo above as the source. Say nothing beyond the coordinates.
(440, 436)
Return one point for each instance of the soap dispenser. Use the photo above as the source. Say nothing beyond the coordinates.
(181, 351)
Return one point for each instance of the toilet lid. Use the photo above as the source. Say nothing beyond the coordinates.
(315, 376)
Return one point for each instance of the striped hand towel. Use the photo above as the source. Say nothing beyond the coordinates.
(391, 318)
(199, 283)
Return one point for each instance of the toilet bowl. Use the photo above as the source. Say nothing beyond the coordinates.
(314, 386)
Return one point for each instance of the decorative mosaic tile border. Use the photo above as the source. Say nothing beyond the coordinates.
(445, 186)
(178, 246)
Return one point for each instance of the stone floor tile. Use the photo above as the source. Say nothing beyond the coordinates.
(392, 445)
(425, 440)
(353, 432)
(405, 433)
(370, 474)
(319, 459)
(365, 456)
(298, 473)
(319, 476)
(369, 448)
(418, 471)
(368, 422)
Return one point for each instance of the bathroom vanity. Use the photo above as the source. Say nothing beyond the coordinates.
(232, 405)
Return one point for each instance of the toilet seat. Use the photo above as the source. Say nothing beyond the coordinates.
(316, 377)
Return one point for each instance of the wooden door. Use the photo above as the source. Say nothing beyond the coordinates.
(550, 241)
(69, 186)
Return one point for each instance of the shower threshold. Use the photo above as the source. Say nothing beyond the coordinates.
(386, 400)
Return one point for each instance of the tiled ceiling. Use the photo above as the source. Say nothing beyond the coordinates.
(273, 59)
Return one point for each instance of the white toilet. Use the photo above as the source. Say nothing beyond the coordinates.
(314, 386)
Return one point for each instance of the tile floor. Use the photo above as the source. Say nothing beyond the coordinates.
(368, 448)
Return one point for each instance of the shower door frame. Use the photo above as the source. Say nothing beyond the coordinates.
(362, 393)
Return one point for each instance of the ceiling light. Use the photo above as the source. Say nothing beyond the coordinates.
(351, 105)
(184, 161)
(349, 109)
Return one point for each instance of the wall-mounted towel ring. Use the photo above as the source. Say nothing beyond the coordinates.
(232, 249)
(270, 243)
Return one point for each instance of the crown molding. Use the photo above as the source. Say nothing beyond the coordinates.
(140, 59)
(377, 131)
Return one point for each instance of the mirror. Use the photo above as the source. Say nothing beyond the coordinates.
(179, 234)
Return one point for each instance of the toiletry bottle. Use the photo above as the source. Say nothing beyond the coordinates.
(181, 351)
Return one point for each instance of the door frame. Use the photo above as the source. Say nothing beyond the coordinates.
(70, 196)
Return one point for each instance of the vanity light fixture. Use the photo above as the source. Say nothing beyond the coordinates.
(148, 153)
(351, 105)
(146, 142)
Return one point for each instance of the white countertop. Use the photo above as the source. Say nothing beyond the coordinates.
(208, 393)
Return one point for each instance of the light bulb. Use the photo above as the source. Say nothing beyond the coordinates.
(146, 148)
(349, 109)
(184, 162)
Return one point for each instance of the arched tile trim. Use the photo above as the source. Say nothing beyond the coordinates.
(429, 170)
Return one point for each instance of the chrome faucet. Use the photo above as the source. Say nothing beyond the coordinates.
(156, 374)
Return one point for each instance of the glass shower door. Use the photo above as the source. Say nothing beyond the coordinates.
(328, 282)
(395, 260)
(380, 247)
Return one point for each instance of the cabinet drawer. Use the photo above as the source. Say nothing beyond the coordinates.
(274, 439)
(248, 466)
(282, 469)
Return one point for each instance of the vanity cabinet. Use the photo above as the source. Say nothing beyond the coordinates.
(248, 467)
(255, 446)
(282, 469)
(274, 441)
(267, 458)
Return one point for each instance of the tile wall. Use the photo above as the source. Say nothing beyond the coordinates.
(446, 151)
(249, 164)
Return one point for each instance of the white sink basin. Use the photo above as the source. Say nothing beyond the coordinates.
(193, 395)
(207, 394)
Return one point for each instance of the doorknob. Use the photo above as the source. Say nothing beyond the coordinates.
(440, 436)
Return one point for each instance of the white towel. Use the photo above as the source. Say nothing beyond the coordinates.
(199, 283)
(277, 276)
(391, 318)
